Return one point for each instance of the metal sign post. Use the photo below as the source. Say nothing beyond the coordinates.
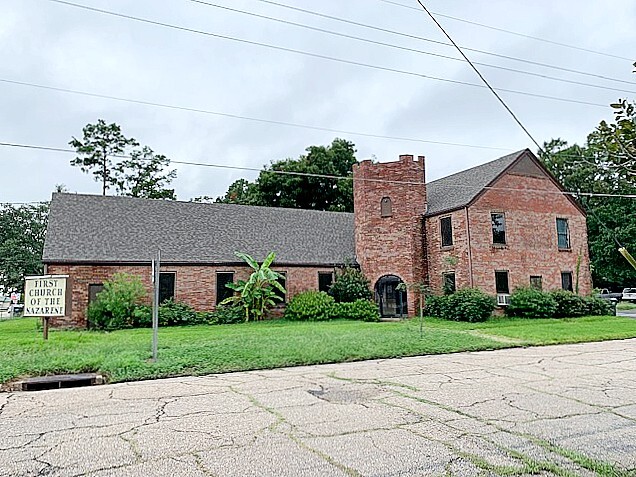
(156, 265)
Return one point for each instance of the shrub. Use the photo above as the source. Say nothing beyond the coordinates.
(350, 285)
(568, 304)
(142, 317)
(597, 306)
(223, 315)
(173, 313)
(531, 303)
(115, 305)
(309, 306)
(467, 304)
(363, 310)
(435, 304)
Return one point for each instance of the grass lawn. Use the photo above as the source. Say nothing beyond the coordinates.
(123, 355)
(626, 305)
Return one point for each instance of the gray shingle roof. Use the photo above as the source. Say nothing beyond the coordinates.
(89, 228)
(458, 190)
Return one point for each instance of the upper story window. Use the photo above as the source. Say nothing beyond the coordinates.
(498, 221)
(563, 234)
(386, 207)
(446, 229)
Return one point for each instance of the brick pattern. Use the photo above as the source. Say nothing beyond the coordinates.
(194, 285)
(531, 238)
(390, 245)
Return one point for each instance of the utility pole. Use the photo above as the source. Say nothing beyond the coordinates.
(156, 266)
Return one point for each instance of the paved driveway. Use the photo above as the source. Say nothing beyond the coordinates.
(560, 410)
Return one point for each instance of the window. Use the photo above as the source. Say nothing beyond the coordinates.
(501, 282)
(566, 281)
(446, 228)
(448, 285)
(93, 290)
(283, 282)
(563, 234)
(498, 228)
(325, 279)
(386, 207)
(166, 286)
(536, 282)
(222, 291)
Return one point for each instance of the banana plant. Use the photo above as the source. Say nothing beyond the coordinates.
(260, 291)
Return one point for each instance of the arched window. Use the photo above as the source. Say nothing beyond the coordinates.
(386, 207)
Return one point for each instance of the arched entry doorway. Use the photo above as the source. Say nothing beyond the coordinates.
(392, 302)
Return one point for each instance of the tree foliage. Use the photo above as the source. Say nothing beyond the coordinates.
(275, 188)
(22, 230)
(261, 291)
(605, 164)
(116, 161)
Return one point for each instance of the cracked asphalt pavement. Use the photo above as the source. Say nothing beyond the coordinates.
(559, 410)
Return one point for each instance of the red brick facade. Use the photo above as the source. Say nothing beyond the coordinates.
(388, 235)
(395, 237)
(194, 284)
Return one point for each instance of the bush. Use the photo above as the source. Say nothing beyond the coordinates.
(435, 304)
(223, 315)
(309, 306)
(568, 304)
(597, 306)
(531, 303)
(364, 310)
(350, 285)
(467, 304)
(173, 313)
(114, 307)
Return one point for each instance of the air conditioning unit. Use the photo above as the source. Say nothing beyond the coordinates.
(503, 299)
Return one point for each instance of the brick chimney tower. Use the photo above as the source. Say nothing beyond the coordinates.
(389, 204)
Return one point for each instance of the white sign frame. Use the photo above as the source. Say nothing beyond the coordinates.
(45, 296)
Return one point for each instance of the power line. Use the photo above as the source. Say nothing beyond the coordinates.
(320, 56)
(247, 118)
(404, 48)
(514, 116)
(330, 176)
(510, 32)
(429, 40)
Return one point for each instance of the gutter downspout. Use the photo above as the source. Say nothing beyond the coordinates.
(470, 253)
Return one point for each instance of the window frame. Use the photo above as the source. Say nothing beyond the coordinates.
(324, 274)
(284, 283)
(386, 207)
(570, 276)
(162, 296)
(534, 278)
(445, 280)
(498, 290)
(448, 218)
(218, 298)
(492, 228)
(566, 233)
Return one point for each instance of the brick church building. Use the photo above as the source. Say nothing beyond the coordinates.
(498, 226)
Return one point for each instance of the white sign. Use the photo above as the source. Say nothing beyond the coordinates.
(45, 296)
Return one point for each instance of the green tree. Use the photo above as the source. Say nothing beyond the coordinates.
(143, 175)
(275, 187)
(261, 291)
(95, 151)
(22, 230)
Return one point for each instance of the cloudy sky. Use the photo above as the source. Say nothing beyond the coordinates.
(61, 46)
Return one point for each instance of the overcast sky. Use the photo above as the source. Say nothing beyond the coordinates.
(65, 47)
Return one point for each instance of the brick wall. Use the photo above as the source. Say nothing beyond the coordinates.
(194, 285)
(531, 206)
(390, 245)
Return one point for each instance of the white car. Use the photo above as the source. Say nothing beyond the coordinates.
(629, 294)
